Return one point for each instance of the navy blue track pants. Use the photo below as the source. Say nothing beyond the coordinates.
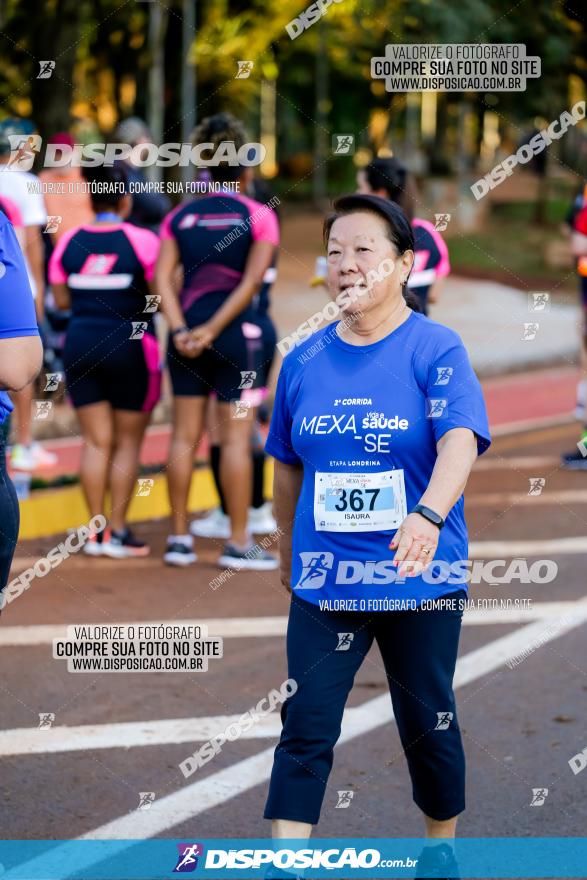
(419, 651)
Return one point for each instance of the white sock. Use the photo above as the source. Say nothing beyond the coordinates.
(187, 540)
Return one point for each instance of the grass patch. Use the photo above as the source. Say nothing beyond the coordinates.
(512, 245)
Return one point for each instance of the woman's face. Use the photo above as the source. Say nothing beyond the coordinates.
(364, 268)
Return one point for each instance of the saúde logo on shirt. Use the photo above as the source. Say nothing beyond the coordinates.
(373, 431)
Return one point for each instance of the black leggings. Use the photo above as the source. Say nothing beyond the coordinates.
(9, 519)
(419, 652)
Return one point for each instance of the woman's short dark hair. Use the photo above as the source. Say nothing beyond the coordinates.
(215, 130)
(398, 227)
(111, 185)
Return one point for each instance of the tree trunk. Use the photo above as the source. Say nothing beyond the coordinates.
(320, 176)
(55, 38)
(158, 16)
(188, 79)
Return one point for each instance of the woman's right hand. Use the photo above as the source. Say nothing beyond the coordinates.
(184, 344)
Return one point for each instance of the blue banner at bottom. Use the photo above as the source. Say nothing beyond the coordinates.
(490, 857)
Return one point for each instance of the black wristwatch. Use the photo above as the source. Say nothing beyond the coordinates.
(177, 330)
(429, 514)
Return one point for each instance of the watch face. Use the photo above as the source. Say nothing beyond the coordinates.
(430, 515)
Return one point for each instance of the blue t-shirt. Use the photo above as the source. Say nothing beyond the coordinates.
(364, 421)
(17, 307)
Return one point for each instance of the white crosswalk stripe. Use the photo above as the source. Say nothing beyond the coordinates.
(254, 627)
(223, 785)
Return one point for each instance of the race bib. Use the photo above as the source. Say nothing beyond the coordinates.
(359, 502)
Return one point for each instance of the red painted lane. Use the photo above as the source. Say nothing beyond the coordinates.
(539, 394)
(521, 397)
(154, 451)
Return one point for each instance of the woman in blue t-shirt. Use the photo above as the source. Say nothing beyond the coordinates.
(371, 463)
(21, 357)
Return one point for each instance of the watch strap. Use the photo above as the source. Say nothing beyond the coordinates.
(429, 514)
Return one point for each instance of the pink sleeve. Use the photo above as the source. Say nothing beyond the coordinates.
(443, 268)
(165, 228)
(12, 211)
(266, 228)
(56, 272)
(145, 245)
(263, 220)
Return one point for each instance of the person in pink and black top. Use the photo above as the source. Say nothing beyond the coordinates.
(388, 178)
(102, 272)
(431, 263)
(223, 243)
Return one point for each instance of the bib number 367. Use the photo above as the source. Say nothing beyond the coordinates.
(355, 499)
(359, 502)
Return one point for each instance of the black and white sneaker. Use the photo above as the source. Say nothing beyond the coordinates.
(439, 862)
(124, 545)
(180, 551)
(254, 558)
(95, 543)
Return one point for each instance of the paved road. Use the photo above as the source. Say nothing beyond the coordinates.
(521, 725)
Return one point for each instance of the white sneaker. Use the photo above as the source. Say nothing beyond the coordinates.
(215, 524)
(30, 458)
(261, 520)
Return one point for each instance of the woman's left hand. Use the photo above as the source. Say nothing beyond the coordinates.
(415, 543)
(201, 338)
